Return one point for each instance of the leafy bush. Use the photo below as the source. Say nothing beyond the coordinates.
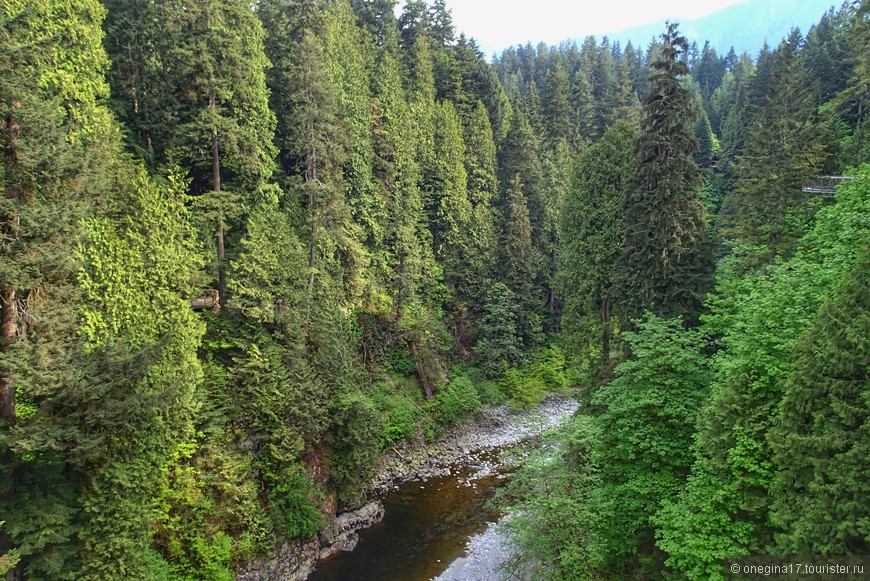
(401, 362)
(401, 418)
(293, 504)
(529, 385)
(458, 401)
(488, 390)
(490, 393)
(550, 508)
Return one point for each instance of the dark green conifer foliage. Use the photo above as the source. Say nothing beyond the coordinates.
(821, 442)
(726, 507)
(519, 264)
(704, 135)
(441, 24)
(212, 67)
(447, 196)
(500, 345)
(313, 141)
(556, 107)
(734, 115)
(666, 265)
(591, 233)
(557, 168)
(57, 142)
(378, 18)
(584, 107)
(350, 59)
(140, 98)
(821, 439)
(481, 169)
(786, 148)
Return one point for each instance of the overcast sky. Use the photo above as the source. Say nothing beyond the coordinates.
(497, 24)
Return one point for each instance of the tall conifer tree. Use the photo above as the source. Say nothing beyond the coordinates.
(666, 265)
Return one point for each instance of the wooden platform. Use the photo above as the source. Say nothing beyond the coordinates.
(825, 185)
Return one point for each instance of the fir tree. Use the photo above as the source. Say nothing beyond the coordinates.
(591, 232)
(519, 263)
(821, 442)
(785, 149)
(666, 264)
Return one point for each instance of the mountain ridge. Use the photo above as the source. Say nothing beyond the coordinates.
(745, 26)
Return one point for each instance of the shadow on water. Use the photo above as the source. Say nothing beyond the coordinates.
(425, 527)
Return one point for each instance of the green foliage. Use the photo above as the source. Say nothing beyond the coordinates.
(646, 431)
(591, 232)
(487, 389)
(401, 414)
(786, 147)
(415, 222)
(666, 264)
(292, 502)
(355, 439)
(499, 346)
(726, 507)
(821, 440)
(458, 401)
(551, 521)
(529, 385)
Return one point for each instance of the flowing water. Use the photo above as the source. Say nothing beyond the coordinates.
(425, 527)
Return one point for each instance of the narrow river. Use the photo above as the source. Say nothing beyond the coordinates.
(426, 526)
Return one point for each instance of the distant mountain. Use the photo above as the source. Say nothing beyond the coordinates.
(744, 26)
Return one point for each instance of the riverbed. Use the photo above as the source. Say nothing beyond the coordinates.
(437, 522)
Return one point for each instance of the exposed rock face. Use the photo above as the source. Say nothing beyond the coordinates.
(342, 536)
(292, 562)
(296, 561)
(348, 523)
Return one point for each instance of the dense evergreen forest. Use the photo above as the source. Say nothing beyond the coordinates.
(248, 247)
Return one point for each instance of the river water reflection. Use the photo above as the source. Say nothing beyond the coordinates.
(425, 527)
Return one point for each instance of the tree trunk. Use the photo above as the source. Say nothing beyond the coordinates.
(8, 299)
(421, 371)
(605, 337)
(8, 328)
(216, 180)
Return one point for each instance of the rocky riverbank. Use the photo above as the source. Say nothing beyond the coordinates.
(469, 444)
(485, 554)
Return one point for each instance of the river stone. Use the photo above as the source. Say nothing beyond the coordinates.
(352, 521)
(291, 562)
(346, 542)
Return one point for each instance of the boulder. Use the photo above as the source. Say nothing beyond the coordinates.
(291, 562)
(352, 521)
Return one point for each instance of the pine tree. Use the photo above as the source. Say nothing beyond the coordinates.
(350, 59)
(666, 264)
(212, 69)
(556, 107)
(725, 510)
(481, 169)
(449, 208)
(313, 141)
(821, 442)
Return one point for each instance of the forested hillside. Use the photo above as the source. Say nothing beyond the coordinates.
(248, 247)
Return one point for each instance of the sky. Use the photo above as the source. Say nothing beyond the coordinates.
(498, 24)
